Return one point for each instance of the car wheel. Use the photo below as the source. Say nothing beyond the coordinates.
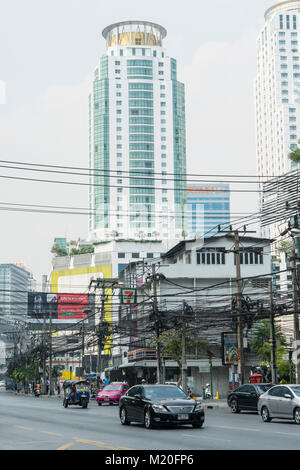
(197, 425)
(265, 414)
(123, 417)
(84, 403)
(99, 403)
(148, 421)
(297, 415)
(234, 406)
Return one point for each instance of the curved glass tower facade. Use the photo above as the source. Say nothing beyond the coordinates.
(137, 141)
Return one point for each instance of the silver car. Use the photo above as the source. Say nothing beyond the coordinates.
(280, 401)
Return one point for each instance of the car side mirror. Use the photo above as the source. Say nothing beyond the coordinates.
(287, 395)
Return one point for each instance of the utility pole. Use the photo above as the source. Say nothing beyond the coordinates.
(296, 315)
(100, 333)
(82, 350)
(50, 348)
(156, 314)
(183, 359)
(273, 338)
(240, 336)
(44, 353)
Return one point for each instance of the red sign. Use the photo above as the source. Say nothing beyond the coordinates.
(203, 189)
(71, 306)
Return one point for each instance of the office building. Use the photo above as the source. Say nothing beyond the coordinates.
(207, 207)
(137, 141)
(14, 284)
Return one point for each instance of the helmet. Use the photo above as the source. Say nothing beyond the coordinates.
(143, 381)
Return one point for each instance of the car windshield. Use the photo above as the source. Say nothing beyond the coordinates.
(264, 388)
(296, 391)
(164, 393)
(112, 388)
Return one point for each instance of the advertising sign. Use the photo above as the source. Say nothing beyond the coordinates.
(64, 308)
(230, 348)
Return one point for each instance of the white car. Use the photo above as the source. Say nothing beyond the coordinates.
(280, 401)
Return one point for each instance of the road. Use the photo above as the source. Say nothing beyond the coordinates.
(29, 423)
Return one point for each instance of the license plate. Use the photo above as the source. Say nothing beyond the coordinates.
(106, 399)
(183, 417)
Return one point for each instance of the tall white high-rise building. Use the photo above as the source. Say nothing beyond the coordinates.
(277, 91)
(137, 142)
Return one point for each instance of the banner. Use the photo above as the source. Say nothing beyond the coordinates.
(230, 348)
(64, 308)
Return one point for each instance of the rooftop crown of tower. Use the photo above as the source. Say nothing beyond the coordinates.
(281, 5)
(134, 33)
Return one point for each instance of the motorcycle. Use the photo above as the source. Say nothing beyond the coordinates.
(37, 392)
(207, 392)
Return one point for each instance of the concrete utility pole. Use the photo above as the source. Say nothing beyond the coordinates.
(273, 338)
(156, 313)
(240, 336)
(44, 353)
(296, 315)
(82, 350)
(183, 359)
(50, 348)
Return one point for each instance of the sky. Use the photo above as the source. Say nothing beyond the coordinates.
(48, 52)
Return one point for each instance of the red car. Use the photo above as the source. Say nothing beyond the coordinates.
(112, 393)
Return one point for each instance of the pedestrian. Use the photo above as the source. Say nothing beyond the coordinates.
(107, 380)
(58, 388)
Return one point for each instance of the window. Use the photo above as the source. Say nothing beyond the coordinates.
(149, 255)
(135, 255)
(275, 392)
(211, 256)
(121, 255)
(247, 389)
(251, 256)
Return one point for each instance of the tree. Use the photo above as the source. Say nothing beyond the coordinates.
(260, 344)
(295, 154)
(286, 247)
(171, 344)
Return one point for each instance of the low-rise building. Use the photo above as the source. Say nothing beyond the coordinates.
(196, 276)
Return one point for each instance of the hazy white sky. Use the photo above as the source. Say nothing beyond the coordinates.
(48, 51)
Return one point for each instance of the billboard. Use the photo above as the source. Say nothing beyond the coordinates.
(230, 348)
(65, 308)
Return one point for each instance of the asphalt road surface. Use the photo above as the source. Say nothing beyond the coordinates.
(29, 423)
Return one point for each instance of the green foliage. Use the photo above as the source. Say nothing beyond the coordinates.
(260, 344)
(171, 343)
(262, 335)
(59, 251)
(295, 155)
(285, 247)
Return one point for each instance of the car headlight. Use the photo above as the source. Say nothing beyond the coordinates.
(158, 408)
(198, 407)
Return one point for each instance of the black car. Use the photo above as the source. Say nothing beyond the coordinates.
(159, 404)
(246, 397)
